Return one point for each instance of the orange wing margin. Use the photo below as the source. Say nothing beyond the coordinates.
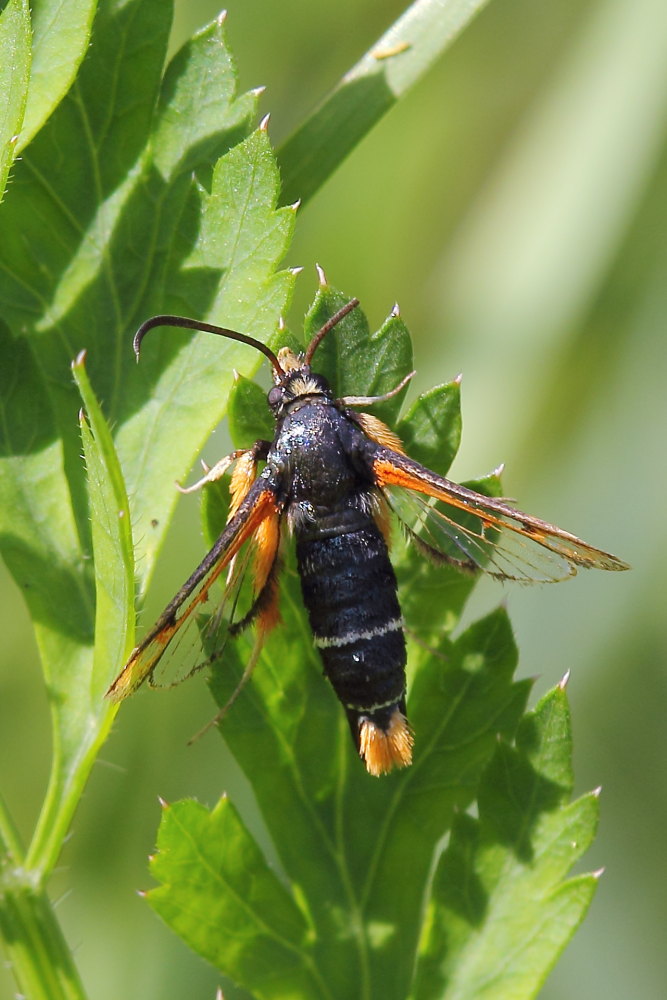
(259, 503)
(393, 469)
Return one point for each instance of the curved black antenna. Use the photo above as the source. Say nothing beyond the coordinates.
(329, 325)
(195, 324)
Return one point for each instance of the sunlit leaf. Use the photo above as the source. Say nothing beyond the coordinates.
(502, 908)
(14, 78)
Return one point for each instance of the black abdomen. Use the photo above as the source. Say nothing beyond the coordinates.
(349, 589)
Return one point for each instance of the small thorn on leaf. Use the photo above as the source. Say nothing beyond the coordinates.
(205, 466)
(563, 682)
(264, 124)
(395, 310)
(597, 792)
(257, 91)
(163, 802)
(236, 375)
(222, 17)
(295, 270)
(458, 379)
(80, 358)
(598, 873)
(82, 415)
(295, 206)
(121, 514)
(322, 278)
(281, 323)
(142, 893)
(498, 471)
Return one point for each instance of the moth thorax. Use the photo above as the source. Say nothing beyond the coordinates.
(384, 749)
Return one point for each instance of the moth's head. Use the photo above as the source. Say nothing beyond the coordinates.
(294, 383)
(292, 374)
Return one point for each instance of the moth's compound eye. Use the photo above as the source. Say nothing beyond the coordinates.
(275, 396)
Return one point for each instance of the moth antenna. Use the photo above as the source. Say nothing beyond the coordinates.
(195, 324)
(329, 325)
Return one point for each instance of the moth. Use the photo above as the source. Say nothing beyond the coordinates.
(334, 475)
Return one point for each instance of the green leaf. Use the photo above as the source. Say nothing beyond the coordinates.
(87, 253)
(502, 909)
(112, 541)
(431, 429)
(356, 851)
(356, 362)
(14, 77)
(248, 412)
(60, 36)
(366, 92)
(222, 898)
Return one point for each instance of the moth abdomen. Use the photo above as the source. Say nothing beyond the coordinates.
(349, 590)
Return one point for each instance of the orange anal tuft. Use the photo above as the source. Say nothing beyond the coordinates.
(383, 750)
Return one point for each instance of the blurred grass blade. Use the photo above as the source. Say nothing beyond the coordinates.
(543, 232)
(391, 66)
(502, 909)
(14, 77)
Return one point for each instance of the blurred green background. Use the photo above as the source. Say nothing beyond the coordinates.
(515, 204)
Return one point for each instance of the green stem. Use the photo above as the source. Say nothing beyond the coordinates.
(37, 951)
(62, 798)
(10, 842)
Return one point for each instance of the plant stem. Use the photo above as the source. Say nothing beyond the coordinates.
(37, 951)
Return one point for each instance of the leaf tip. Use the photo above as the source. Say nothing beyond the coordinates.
(221, 18)
(295, 270)
(257, 92)
(321, 276)
(499, 469)
(395, 311)
(142, 893)
(562, 684)
(598, 873)
(163, 802)
(264, 124)
(295, 206)
(597, 792)
(458, 379)
(282, 325)
(80, 359)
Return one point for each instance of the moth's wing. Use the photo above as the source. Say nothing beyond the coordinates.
(468, 530)
(259, 505)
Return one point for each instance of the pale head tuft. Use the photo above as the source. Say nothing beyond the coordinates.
(383, 750)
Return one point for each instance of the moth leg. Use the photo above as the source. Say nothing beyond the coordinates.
(217, 471)
(250, 666)
(369, 400)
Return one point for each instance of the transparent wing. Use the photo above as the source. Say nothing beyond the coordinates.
(455, 525)
(178, 617)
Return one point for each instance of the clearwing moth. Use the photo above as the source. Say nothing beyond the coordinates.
(335, 475)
